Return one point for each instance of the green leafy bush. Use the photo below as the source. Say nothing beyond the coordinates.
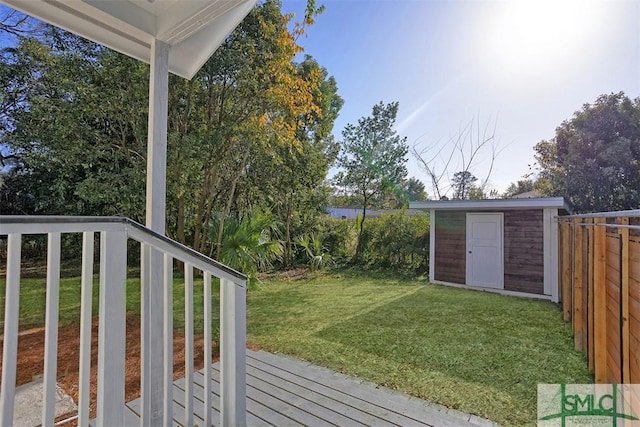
(393, 241)
(398, 241)
(339, 237)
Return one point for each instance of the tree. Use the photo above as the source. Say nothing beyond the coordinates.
(594, 158)
(250, 133)
(373, 159)
(463, 182)
(239, 121)
(17, 24)
(409, 190)
(76, 129)
(471, 146)
(515, 188)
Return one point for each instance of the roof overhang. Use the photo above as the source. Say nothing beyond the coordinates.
(493, 204)
(193, 28)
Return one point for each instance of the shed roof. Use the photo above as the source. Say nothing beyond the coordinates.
(193, 28)
(493, 204)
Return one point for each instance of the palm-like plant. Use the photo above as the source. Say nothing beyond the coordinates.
(251, 245)
(316, 252)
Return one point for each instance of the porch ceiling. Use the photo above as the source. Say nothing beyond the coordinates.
(193, 28)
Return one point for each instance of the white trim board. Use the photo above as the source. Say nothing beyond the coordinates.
(193, 29)
(493, 290)
(492, 204)
(432, 245)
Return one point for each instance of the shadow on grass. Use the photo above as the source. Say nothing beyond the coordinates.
(373, 272)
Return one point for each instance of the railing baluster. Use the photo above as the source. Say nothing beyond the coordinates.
(112, 328)
(111, 409)
(86, 297)
(168, 340)
(207, 348)
(11, 319)
(233, 338)
(51, 330)
(188, 343)
(145, 369)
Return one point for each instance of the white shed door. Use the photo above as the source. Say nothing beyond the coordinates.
(484, 250)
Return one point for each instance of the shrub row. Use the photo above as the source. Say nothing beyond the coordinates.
(394, 241)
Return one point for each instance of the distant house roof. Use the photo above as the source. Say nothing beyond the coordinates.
(533, 194)
(352, 213)
(490, 204)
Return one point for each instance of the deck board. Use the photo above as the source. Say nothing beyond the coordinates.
(283, 391)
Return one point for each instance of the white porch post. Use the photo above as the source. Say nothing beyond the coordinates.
(152, 260)
(233, 344)
(432, 245)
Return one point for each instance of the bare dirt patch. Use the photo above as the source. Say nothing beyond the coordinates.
(31, 358)
(292, 274)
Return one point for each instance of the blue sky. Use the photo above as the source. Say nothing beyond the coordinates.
(524, 66)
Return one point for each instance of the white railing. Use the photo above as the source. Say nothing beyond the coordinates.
(158, 254)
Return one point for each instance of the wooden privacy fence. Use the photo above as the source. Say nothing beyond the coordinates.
(600, 285)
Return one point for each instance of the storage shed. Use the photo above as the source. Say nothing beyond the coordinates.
(503, 245)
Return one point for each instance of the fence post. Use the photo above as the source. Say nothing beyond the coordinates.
(624, 297)
(565, 240)
(600, 301)
(578, 324)
(590, 288)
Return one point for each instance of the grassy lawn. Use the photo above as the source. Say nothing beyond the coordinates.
(33, 299)
(477, 352)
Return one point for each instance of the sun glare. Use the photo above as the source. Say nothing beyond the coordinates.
(530, 36)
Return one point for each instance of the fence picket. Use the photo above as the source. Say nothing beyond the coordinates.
(590, 291)
(578, 325)
(600, 301)
(624, 297)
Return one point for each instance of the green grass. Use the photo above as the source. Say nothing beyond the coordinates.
(33, 301)
(477, 352)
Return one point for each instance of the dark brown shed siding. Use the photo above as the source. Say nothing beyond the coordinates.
(523, 251)
(451, 240)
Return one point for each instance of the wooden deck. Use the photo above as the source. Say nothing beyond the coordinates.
(282, 391)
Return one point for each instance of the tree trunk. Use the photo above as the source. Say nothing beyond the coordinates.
(227, 208)
(180, 222)
(359, 247)
(287, 235)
